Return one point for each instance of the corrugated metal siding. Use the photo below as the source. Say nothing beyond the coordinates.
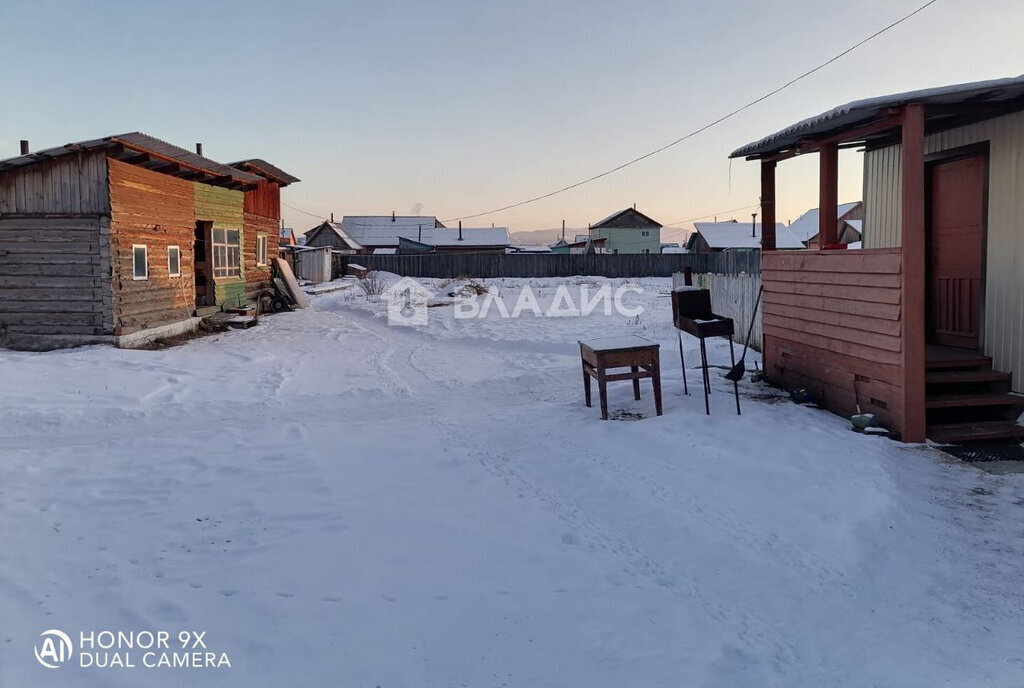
(1003, 326)
(882, 203)
(74, 184)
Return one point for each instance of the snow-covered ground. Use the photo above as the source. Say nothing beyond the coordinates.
(334, 501)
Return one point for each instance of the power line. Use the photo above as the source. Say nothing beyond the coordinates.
(707, 126)
(694, 219)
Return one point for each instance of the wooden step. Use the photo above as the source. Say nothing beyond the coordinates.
(942, 357)
(962, 400)
(974, 432)
(937, 377)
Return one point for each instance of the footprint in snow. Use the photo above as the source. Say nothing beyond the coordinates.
(286, 594)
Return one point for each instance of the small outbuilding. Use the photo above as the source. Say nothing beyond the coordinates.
(128, 238)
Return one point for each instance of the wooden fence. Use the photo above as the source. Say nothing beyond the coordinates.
(489, 265)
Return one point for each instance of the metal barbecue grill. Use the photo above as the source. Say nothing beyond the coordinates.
(691, 313)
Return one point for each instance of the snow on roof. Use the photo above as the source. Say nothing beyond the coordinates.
(979, 92)
(674, 249)
(343, 235)
(723, 235)
(856, 224)
(384, 251)
(529, 248)
(854, 245)
(805, 227)
(285, 232)
(382, 231)
(581, 237)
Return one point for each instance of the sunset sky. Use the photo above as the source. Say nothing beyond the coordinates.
(454, 107)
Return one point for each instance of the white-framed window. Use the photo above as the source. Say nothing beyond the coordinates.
(174, 261)
(647, 250)
(140, 262)
(226, 252)
(261, 249)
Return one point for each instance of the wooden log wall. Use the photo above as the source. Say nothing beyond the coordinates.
(54, 277)
(156, 210)
(70, 185)
(223, 207)
(262, 214)
(833, 325)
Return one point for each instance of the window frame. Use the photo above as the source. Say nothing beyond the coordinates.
(223, 251)
(264, 239)
(177, 249)
(145, 262)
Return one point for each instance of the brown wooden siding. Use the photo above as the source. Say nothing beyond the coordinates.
(52, 277)
(257, 278)
(264, 200)
(70, 185)
(833, 325)
(156, 210)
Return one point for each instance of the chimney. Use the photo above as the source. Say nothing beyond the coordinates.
(199, 149)
(753, 225)
(332, 217)
(634, 206)
(563, 230)
(460, 230)
(392, 215)
(24, 147)
(419, 233)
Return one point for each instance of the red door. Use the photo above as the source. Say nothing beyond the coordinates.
(956, 242)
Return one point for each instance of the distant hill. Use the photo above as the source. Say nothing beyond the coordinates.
(544, 236)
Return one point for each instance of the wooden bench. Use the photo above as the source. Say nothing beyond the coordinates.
(640, 355)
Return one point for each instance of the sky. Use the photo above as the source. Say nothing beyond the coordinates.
(454, 107)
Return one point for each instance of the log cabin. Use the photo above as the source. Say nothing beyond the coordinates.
(927, 331)
(127, 238)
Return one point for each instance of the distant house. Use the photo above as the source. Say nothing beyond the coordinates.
(805, 227)
(581, 244)
(528, 248)
(628, 231)
(715, 237)
(365, 233)
(851, 232)
(332, 234)
(286, 236)
(127, 238)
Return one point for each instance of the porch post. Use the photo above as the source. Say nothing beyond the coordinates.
(768, 205)
(828, 194)
(913, 283)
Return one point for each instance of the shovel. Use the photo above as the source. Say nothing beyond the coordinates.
(738, 370)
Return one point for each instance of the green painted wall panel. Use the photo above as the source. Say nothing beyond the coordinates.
(223, 207)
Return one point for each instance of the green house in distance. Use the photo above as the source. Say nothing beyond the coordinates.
(628, 231)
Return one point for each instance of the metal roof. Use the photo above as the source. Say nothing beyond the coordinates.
(371, 231)
(805, 227)
(990, 96)
(265, 169)
(618, 213)
(726, 235)
(137, 142)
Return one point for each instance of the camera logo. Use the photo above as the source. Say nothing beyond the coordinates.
(54, 649)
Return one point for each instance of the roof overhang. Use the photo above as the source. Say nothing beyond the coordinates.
(147, 152)
(875, 122)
